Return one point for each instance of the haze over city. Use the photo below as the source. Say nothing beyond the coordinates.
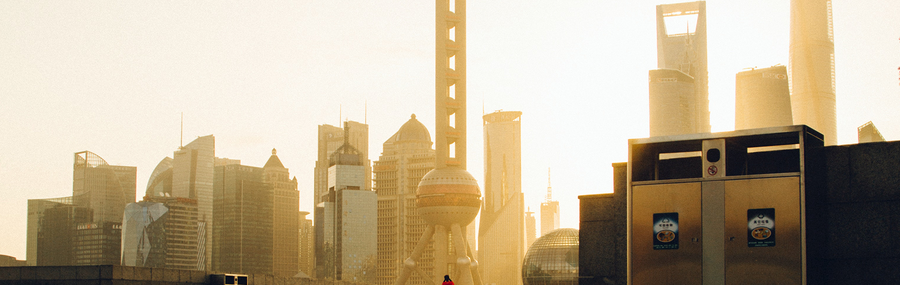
(114, 78)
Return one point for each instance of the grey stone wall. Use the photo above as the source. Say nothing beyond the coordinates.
(858, 235)
(602, 245)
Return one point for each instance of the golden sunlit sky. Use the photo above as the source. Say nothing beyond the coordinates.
(113, 77)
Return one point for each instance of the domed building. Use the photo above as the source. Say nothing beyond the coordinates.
(406, 157)
(552, 259)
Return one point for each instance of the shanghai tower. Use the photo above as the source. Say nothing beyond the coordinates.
(812, 67)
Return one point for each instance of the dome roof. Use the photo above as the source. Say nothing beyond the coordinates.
(552, 259)
(412, 130)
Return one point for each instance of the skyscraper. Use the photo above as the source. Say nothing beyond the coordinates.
(356, 246)
(285, 223)
(530, 228)
(865, 134)
(325, 237)
(673, 104)
(103, 188)
(345, 219)
(331, 138)
(190, 175)
(762, 98)
(98, 243)
(681, 46)
(306, 245)
(243, 217)
(55, 244)
(812, 67)
(501, 236)
(36, 208)
(161, 232)
(407, 156)
(192, 178)
(549, 210)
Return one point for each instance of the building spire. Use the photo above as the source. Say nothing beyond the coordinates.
(549, 189)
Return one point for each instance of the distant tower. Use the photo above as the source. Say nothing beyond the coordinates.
(812, 67)
(679, 89)
(161, 232)
(192, 178)
(762, 98)
(306, 248)
(448, 197)
(350, 253)
(285, 224)
(103, 188)
(501, 232)
(36, 209)
(407, 156)
(867, 133)
(549, 210)
(330, 138)
(530, 228)
(243, 217)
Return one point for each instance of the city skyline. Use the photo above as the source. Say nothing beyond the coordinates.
(60, 63)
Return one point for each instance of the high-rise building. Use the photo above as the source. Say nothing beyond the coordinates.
(325, 237)
(356, 248)
(190, 175)
(501, 236)
(160, 183)
(406, 157)
(98, 243)
(285, 223)
(55, 244)
(103, 188)
(865, 134)
(330, 139)
(673, 103)
(549, 210)
(530, 228)
(306, 254)
(346, 218)
(549, 216)
(811, 67)
(679, 101)
(36, 208)
(762, 98)
(192, 178)
(161, 232)
(243, 216)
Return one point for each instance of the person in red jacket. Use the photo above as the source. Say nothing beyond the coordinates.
(447, 280)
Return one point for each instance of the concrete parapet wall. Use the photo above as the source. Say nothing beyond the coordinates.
(127, 275)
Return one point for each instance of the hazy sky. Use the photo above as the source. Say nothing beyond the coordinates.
(113, 77)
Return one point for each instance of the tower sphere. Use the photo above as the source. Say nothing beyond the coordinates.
(448, 195)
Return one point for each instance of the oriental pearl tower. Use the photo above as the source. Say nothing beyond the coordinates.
(448, 197)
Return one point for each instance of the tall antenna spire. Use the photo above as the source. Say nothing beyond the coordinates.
(549, 189)
(181, 139)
